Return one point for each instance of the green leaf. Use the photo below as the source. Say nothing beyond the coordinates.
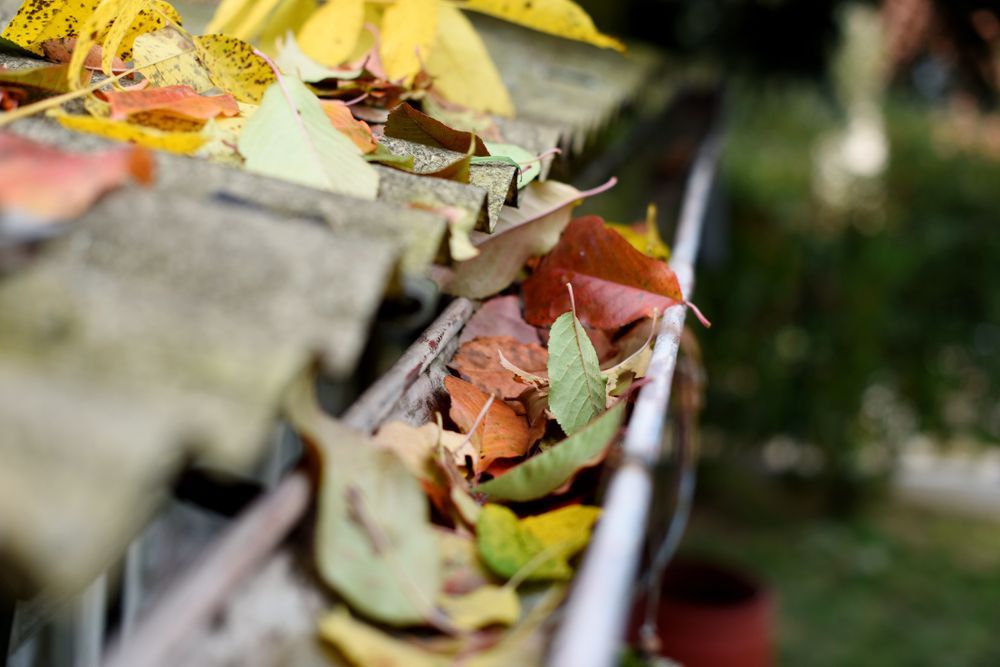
(374, 541)
(528, 163)
(292, 138)
(507, 547)
(546, 472)
(577, 388)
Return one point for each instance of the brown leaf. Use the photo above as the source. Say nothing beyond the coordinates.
(500, 316)
(501, 434)
(478, 362)
(407, 123)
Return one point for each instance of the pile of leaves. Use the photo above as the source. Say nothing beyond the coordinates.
(464, 522)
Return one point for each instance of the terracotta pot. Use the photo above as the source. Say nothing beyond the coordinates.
(712, 616)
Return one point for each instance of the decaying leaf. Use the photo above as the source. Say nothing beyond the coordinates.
(634, 360)
(645, 236)
(576, 385)
(407, 123)
(415, 445)
(179, 100)
(502, 433)
(552, 469)
(61, 51)
(479, 363)
(462, 69)
(330, 34)
(531, 229)
(36, 81)
(500, 316)
(408, 31)
(485, 606)
(182, 142)
(563, 18)
(292, 138)
(168, 58)
(374, 542)
(41, 184)
(235, 67)
(614, 283)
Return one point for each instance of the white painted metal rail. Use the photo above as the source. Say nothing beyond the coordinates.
(595, 616)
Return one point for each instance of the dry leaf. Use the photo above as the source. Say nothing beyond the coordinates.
(479, 363)
(501, 433)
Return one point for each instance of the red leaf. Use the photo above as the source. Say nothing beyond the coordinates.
(478, 362)
(178, 100)
(501, 434)
(47, 184)
(614, 283)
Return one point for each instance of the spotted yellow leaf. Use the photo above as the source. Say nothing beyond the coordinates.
(234, 67)
(169, 58)
(175, 142)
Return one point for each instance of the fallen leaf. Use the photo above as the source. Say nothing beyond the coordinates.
(407, 123)
(288, 17)
(235, 67)
(485, 606)
(563, 18)
(330, 34)
(477, 361)
(554, 468)
(37, 82)
(500, 316)
(40, 184)
(415, 445)
(614, 283)
(501, 434)
(530, 165)
(374, 541)
(637, 350)
(365, 646)
(408, 30)
(565, 530)
(106, 26)
(183, 143)
(61, 51)
(576, 386)
(292, 138)
(462, 569)
(531, 229)
(180, 100)
(294, 62)
(462, 69)
(345, 123)
(167, 58)
(645, 236)
(510, 549)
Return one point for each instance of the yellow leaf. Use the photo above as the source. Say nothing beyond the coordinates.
(329, 36)
(157, 15)
(290, 15)
(462, 68)
(175, 142)
(107, 25)
(485, 606)
(557, 17)
(408, 31)
(366, 40)
(647, 240)
(235, 67)
(183, 66)
(249, 24)
(363, 645)
(566, 530)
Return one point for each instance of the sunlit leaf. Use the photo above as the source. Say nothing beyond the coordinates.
(330, 34)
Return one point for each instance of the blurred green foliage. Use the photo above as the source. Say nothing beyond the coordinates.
(813, 308)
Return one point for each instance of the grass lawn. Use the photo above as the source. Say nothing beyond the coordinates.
(899, 586)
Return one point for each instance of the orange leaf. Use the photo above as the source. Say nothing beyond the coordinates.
(178, 100)
(61, 51)
(47, 184)
(478, 362)
(614, 283)
(501, 434)
(345, 123)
